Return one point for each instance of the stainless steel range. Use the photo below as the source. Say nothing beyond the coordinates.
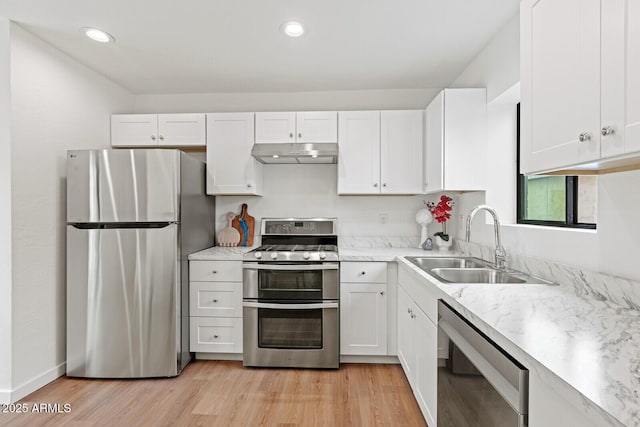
(291, 295)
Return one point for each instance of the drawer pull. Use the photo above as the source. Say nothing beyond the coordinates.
(215, 337)
(214, 271)
(214, 300)
(363, 273)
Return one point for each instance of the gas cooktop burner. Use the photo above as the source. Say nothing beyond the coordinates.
(296, 240)
(296, 248)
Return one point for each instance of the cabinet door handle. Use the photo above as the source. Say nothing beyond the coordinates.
(215, 337)
(161, 138)
(375, 185)
(214, 301)
(363, 273)
(381, 292)
(248, 185)
(299, 135)
(214, 271)
(384, 185)
(291, 135)
(153, 137)
(585, 136)
(607, 130)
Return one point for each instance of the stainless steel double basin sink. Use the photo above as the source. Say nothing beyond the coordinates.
(469, 270)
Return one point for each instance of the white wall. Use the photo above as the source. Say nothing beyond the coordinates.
(395, 99)
(497, 66)
(612, 247)
(57, 104)
(5, 213)
(310, 190)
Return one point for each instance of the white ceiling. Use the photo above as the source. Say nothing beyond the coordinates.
(202, 46)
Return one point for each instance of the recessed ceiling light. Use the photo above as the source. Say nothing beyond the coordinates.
(98, 35)
(293, 29)
(275, 156)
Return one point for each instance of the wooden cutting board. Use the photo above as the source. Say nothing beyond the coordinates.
(245, 224)
(229, 236)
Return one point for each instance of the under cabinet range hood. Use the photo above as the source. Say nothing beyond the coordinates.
(278, 153)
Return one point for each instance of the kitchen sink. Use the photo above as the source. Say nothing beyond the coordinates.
(469, 270)
(428, 263)
(475, 275)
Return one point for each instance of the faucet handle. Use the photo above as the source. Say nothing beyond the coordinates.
(501, 258)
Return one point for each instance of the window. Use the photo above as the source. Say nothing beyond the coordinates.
(554, 200)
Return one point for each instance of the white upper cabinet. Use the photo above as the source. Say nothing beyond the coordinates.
(580, 84)
(317, 126)
(359, 152)
(401, 152)
(380, 152)
(230, 167)
(455, 154)
(301, 127)
(170, 130)
(130, 130)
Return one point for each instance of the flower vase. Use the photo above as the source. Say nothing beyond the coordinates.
(443, 245)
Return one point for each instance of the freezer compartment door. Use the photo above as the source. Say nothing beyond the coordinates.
(123, 302)
(123, 186)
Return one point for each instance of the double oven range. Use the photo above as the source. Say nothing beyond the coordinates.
(291, 292)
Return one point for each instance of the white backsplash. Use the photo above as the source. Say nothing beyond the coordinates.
(379, 241)
(584, 283)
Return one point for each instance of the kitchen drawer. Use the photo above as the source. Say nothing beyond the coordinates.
(215, 299)
(215, 271)
(363, 272)
(216, 334)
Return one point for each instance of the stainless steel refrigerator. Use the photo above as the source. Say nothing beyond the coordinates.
(133, 217)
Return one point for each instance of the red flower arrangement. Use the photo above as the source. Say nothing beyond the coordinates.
(441, 213)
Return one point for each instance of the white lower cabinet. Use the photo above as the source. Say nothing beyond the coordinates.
(216, 334)
(215, 306)
(363, 318)
(363, 309)
(426, 370)
(406, 335)
(418, 342)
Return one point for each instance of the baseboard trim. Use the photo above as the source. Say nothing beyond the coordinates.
(5, 397)
(37, 382)
(219, 356)
(346, 358)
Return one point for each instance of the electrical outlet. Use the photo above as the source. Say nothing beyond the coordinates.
(384, 218)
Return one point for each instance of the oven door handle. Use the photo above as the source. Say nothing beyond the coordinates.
(311, 306)
(291, 267)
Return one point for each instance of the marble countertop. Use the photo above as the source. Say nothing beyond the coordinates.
(591, 346)
(384, 254)
(221, 253)
(231, 253)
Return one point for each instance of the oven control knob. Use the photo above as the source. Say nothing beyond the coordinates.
(306, 255)
(274, 255)
(258, 255)
(322, 255)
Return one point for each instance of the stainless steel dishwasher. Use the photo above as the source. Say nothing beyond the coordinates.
(494, 394)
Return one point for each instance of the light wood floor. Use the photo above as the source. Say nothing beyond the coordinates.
(221, 393)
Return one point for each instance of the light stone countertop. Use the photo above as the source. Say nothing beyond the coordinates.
(572, 342)
(385, 254)
(221, 253)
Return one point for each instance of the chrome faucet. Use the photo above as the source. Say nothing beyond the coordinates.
(501, 254)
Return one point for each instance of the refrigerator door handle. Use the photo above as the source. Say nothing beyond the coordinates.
(116, 225)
